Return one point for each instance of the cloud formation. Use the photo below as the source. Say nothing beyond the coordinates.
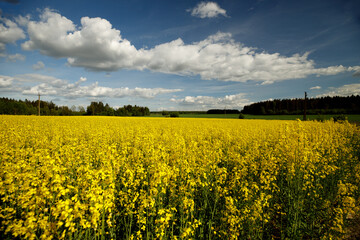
(236, 101)
(207, 10)
(38, 66)
(15, 57)
(315, 88)
(97, 46)
(343, 91)
(51, 86)
(5, 81)
(9, 33)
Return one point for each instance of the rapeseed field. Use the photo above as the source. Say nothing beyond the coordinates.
(162, 178)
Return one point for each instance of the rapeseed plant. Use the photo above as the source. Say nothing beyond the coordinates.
(150, 178)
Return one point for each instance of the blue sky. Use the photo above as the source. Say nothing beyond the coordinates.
(178, 55)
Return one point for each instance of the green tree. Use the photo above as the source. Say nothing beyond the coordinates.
(174, 114)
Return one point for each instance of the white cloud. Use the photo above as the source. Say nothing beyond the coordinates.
(9, 33)
(236, 101)
(23, 20)
(94, 90)
(315, 88)
(333, 70)
(97, 46)
(346, 90)
(356, 70)
(15, 57)
(5, 81)
(51, 86)
(38, 66)
(34, 77)
(267, 82)
(207, 10)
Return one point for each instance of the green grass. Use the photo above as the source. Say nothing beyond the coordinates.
(200, 115)
(351, 118)
(209, 115)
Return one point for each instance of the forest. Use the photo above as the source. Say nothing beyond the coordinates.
(323, 105)
(18, 107)
(314, 106)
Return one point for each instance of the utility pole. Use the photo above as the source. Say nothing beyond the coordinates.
(39, 105)
(304, 118)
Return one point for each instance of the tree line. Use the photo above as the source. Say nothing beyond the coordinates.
(323, 105)
(27, 107)
(98, 108)
(223, 111)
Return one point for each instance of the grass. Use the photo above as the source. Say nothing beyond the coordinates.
(351, 118)
(200, 115)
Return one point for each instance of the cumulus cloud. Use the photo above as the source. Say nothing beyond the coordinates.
(207, 10)
(356, 70)
(315, 88)
(38, 66)
(236, 101)
(51, 86)
(94, 90)
(346, 90)
(9, 33)
(5, 81)
(97, 46)
(23, 20)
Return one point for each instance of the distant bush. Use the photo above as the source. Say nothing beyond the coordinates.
(174, 114)
(241, 116)
(339, 118)
(320, 118)
(284, 112)
(223, 111)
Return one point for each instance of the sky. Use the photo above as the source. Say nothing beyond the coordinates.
(179, 54)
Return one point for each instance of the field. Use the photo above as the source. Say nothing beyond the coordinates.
(350, 117)
(177, 178)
